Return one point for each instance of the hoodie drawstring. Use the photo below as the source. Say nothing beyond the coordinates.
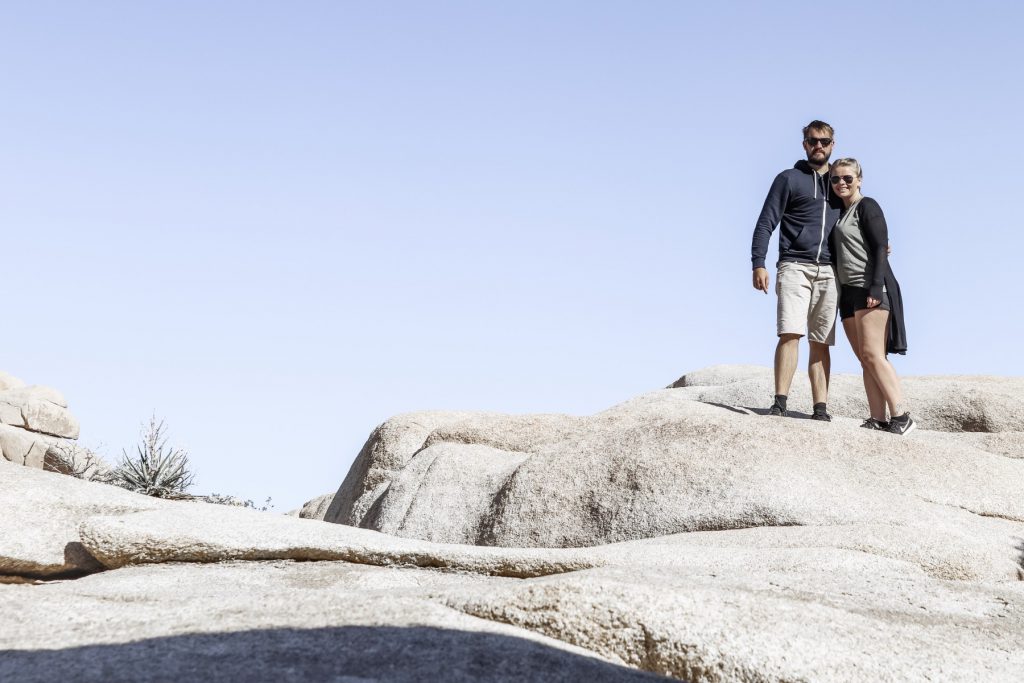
(824, 210)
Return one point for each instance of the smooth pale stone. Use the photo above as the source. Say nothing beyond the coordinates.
(17, 443)
(48, 418)
(967, 403)
(856, 621)
(21, 395)
(315, 508)
(11, 414)
(274, 622)
(36, 455)
(660, 464)
(47, 514)
(8, 381)
(200, 532)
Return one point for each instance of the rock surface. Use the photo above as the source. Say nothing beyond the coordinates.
(33, 419)
(850, 622)
(706, 543)
(960, 403)
(314, 509)
(768, 603)
(41, 515)
(57, 525)
(660, 464)
(273, 622)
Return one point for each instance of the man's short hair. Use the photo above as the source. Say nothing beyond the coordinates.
(818, 125)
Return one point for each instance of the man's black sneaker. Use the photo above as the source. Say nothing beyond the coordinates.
(902, 425)
(872, 423)
(778, 410)
(820, 412)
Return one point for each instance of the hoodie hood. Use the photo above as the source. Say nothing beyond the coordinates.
(804, 166)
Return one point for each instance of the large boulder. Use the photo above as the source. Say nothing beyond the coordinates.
(38, 409)
(22, 447)
(748, 549)
(41, 513)
(314, 509)
(56, 525)
(275, 622)
(766, 604)
(851, 619)
(33, 420)
(8, 381)
(661, 464)
(958, 403)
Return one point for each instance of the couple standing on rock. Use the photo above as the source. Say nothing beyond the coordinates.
(831, 232)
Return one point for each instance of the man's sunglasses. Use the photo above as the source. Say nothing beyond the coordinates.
(848, 179)
(814, 142)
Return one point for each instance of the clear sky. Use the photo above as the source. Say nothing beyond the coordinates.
(276, 224)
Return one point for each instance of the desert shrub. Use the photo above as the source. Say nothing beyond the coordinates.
(156, 469)
(76, 460)
(234, 501)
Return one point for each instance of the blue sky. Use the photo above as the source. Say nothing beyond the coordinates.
(277, 224)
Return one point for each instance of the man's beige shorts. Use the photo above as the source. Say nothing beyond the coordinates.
(808, 299)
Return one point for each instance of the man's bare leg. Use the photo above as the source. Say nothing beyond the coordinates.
(819, 370)
(787, 354)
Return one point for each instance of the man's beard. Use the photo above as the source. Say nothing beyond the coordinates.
(823, 160)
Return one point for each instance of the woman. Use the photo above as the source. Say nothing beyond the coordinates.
(868, 295)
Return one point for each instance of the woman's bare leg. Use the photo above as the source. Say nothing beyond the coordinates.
(872, 332)
(876, 400)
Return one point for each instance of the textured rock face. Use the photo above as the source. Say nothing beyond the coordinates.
(314, 509)
(41, 515)
(32, 420)
(941, 403)
(854, 623)
(766, 604)
(749, 549)
(274, 622)
(681, 460)
(56, 525)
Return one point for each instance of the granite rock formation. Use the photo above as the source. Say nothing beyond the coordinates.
(34, 420)
(680, 534)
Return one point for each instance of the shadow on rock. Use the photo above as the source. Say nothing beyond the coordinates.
(741, 411)
(347, 654)
(764, 412)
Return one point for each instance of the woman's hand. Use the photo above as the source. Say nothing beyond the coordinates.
(873, 302)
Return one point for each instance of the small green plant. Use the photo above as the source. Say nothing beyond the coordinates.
(156, 470)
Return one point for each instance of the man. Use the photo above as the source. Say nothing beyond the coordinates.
(801, 201)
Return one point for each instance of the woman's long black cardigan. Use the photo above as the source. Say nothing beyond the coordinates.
(876, 238)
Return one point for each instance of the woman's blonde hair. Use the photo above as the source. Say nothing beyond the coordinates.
(851, 162)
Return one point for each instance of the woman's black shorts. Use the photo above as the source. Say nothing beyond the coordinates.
(853, 299)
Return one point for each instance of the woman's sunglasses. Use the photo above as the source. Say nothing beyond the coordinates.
(848, 179)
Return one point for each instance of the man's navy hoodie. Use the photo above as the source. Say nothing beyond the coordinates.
(807, 208)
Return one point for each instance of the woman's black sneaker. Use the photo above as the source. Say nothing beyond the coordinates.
(878, 425)
(902, 425)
